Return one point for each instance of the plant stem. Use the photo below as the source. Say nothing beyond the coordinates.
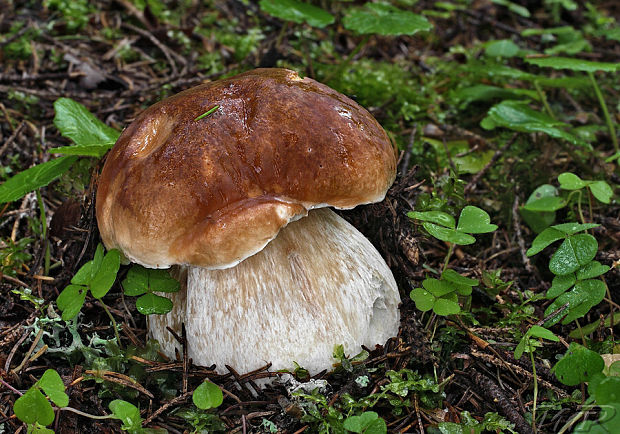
(44, 232)
(448, 255)
(543, 99)
(529, 344)
(114, 325)
(608, 120)
(88, 415)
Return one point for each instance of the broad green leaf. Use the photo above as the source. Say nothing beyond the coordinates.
(485, 92)
(423, 299)
(33, 407)
(539, 220)
(584, 296)
(52, 385)
(517, 116)
(207, 395)
(520, 348)
(384, 19)
(542, 333)
(36, 177)
(573, 228)
(501, 48)
(570, 181)
(437, 287)
(454, 277)
(75, 122)
(150, 303)
(573, 64)
(474, 220)
(359, 424)
(607, 391)
(449, 235)
(297, 12)
(127, 413)
(85, 274)
(591, 270)
(97, 151)
(445, 306)
(601, 190)
(574, 252)
(161, 281)
(578, 365)
(137, 281)
(607, 423)
(70, 301)
(438, 217)
(609, 321)
(106, 275)
(546, 204)
(544, 239)
(560, 285)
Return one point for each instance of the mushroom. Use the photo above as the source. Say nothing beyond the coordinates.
(237, 199)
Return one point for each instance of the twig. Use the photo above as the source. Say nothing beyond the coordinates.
(517, 227)
(471, 184)
(168, 53)
(166, 406)
(12, 137)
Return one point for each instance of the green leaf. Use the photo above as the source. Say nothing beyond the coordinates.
(137, 281)
(517, 116)
(97, 151)
(454, 277)
(33, 407)
(610, 321)
(151, 303)
(608, 391)
(207, 395)
(474, 220)
(297, 12)
(423, 299)
(584, 296)
(52, 385)
(514, 7)
(520, 348)
(127, 413)
(573, 64)
(445, 307)
(449, 235)
(160, 281)
(437, 287)
(544, 239)
(542, 333)
(438, 217)
(384, 19)
(501, 48)
(573, 228)
(484, 92)
(106, 275)
(358, 424)
(578, 365)
(574, 252)
(591, 270)
(545, 204)
(607, 423)
(70, 301)
(560, 285)
(36, 177)
(85, 274)
(75, 122)
(601, 190)
(539, 220)
(570, 181)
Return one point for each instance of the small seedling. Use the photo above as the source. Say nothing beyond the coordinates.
(207, 395)
(34, 407)
(441, 295)
(97, 276)
(574, 267)
(367, 422)
(144, 282)
(129, 415)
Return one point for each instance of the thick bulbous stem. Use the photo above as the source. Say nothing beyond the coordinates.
(318, 284)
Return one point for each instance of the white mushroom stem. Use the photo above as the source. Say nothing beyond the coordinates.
(318, 284)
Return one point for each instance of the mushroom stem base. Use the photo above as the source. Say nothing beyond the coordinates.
(318, 284)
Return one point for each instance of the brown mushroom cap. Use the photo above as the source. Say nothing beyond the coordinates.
(213, 191)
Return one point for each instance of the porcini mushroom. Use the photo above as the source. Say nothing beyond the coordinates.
(233, 198)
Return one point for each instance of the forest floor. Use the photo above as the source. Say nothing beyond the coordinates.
(443, 95)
